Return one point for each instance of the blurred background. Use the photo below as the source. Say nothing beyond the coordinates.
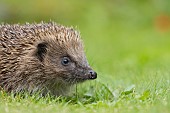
(123, 39)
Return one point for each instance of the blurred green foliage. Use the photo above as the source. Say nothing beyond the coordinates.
(103, 12)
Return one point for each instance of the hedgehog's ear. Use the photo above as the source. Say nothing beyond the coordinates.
(41, 50)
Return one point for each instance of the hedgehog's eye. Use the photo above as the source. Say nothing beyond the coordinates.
(65, 61)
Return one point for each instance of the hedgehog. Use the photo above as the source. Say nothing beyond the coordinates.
(42, 57)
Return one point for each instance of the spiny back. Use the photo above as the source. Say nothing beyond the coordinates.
(30, 31)
(22, 37)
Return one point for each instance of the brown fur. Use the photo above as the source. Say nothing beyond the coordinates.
(31, 54)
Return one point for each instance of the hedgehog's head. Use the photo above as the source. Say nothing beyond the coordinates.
(62, 54)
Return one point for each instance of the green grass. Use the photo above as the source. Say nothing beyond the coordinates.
(122, 43)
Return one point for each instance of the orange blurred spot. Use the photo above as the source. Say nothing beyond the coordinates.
(162, 23)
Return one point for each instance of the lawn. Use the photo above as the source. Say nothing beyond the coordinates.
(129, 49)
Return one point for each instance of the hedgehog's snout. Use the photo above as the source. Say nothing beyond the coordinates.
(92, 74)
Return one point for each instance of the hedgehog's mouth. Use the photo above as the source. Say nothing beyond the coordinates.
(78, 78)
(75, 80)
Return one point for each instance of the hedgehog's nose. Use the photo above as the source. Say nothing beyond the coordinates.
(92, 74)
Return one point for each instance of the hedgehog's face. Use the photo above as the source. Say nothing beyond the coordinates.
(73, 71)
(66, 62)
